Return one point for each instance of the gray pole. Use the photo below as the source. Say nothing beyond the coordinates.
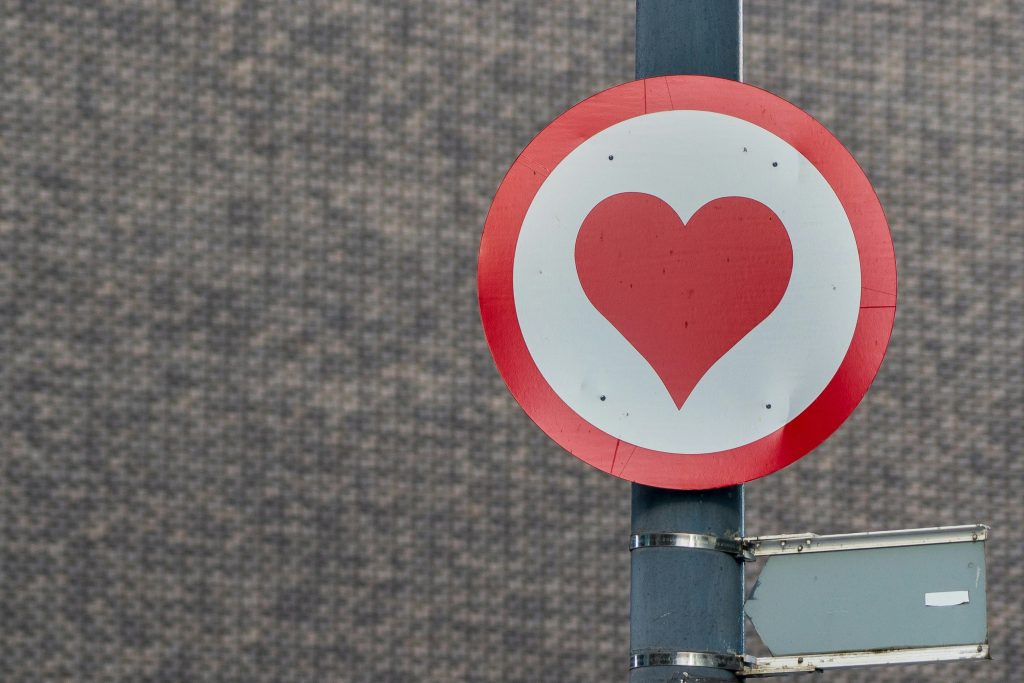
(686, 599)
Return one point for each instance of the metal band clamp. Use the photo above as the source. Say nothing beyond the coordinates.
(709, 660)
(731, 546)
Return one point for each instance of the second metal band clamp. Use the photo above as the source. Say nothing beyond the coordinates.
(710, 660)
(731, 546)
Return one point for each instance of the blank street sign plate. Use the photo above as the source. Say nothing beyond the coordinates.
(872, 598)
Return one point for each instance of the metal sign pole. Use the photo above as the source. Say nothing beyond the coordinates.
(686, 601)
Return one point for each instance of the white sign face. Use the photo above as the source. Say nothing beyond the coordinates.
(688, 159)
(687, 282)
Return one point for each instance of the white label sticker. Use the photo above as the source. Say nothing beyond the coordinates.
(946, 599)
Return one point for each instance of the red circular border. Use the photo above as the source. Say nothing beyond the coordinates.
(695, 470)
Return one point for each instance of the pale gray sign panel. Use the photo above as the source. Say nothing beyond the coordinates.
(869, 599)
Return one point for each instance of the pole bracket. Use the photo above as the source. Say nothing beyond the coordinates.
(731, 546)
(809, 663)
(708, 660)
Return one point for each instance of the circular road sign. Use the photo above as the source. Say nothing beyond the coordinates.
(687, 282)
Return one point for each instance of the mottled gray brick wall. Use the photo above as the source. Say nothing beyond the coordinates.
(249, 427)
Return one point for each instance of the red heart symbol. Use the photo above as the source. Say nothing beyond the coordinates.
(683, 294)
